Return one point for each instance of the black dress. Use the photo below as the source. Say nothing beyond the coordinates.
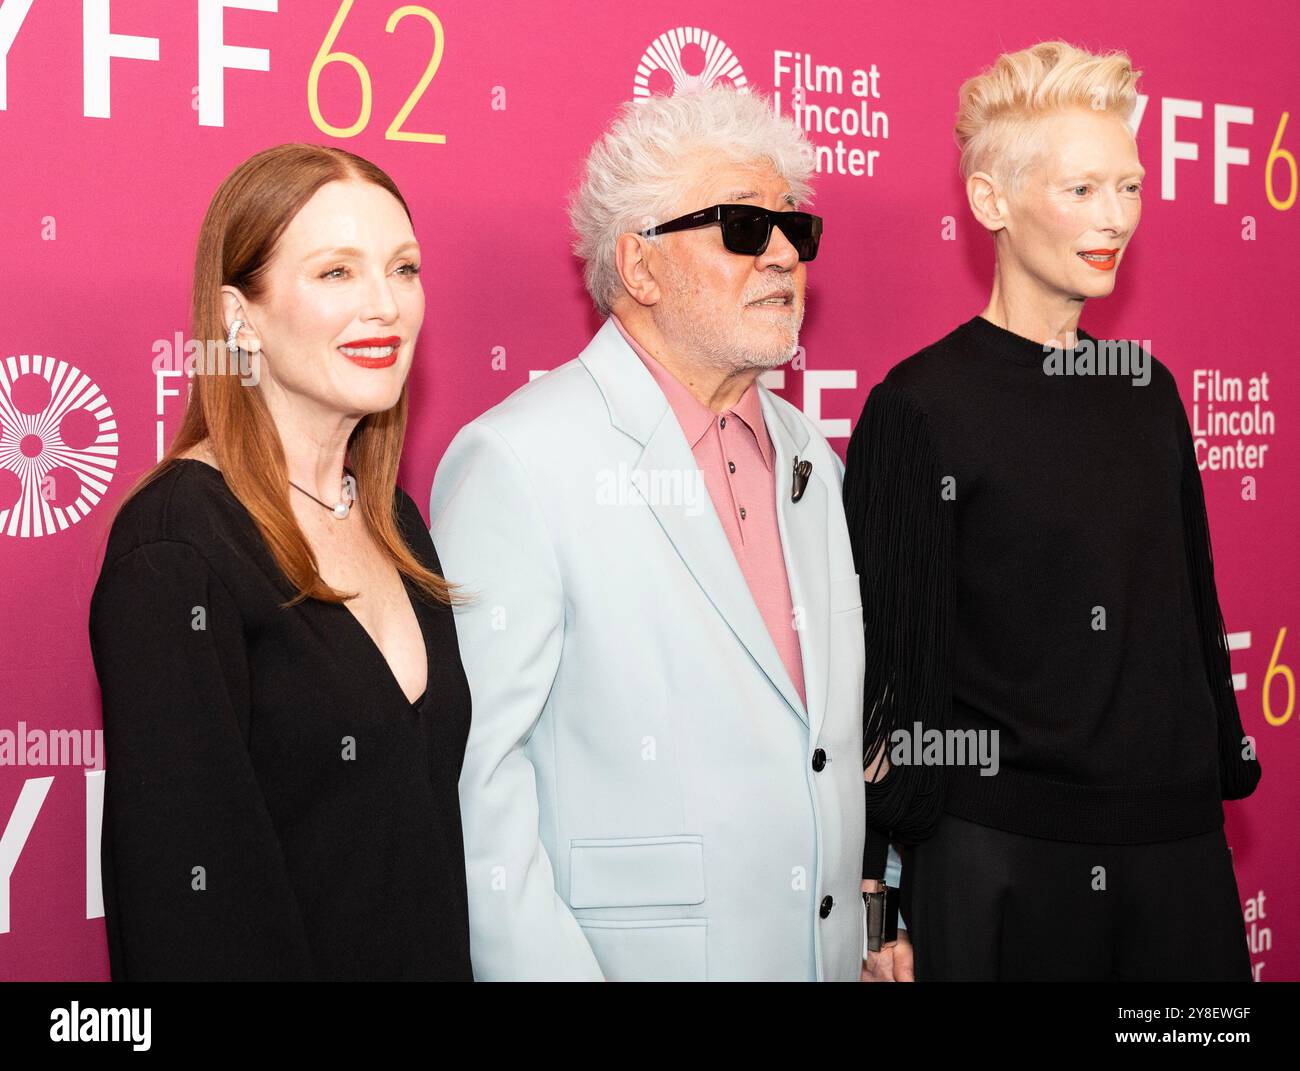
(275, 807)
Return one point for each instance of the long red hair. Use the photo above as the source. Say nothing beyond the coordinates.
(243, 225)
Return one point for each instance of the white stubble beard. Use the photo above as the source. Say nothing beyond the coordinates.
(718, 345)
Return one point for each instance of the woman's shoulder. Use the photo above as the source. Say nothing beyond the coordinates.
(1131, 361)
(933, 368)
(186, 501)
(414, 529)
(405, 503)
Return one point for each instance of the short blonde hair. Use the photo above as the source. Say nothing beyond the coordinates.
(639, 169)
(998, 109)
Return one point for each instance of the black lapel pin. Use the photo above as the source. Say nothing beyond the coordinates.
(802, 469)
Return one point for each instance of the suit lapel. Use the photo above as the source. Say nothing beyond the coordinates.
(638, 407)
(804, 545)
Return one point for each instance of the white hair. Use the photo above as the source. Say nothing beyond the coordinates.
(998, 109)
(639, 170)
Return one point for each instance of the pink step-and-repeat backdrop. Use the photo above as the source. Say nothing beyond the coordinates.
(119, 118)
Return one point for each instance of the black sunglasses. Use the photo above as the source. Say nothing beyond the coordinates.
(747, 229)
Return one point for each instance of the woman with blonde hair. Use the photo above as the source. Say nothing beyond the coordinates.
(285, 712)
(1029, 527)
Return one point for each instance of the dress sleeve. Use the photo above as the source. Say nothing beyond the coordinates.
(195, 882)
(900, 527)
(1238, 776)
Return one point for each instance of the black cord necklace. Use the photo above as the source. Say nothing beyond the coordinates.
(343, 506)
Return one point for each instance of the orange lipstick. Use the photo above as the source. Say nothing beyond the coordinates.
(1100, 259)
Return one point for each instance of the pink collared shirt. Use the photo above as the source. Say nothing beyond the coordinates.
(735, 454)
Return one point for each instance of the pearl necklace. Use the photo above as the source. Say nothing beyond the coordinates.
(341, 508)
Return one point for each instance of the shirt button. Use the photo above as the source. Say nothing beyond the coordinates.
(742, 513)
(731, 466)
(723, 422)
(819, 760)
(828, 902)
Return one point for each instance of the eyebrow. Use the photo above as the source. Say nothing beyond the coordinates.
(745, 195)
(1140, 172)
(353, 251)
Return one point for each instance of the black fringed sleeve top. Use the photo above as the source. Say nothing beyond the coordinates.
(1035, 564)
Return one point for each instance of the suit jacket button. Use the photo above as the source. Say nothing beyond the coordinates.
(828, 902)
(819, 760)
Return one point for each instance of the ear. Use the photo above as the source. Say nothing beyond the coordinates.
(632, 256)
(988, 202)
(233, 308)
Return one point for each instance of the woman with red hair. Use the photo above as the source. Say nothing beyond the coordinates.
(285, 712)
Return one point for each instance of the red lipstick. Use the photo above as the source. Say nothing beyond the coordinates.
(372, 360)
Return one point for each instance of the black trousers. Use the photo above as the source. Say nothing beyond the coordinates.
(982, 904)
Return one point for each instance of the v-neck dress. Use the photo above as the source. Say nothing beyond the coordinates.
(275, 807)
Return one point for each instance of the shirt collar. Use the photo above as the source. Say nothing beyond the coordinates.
(693, 415)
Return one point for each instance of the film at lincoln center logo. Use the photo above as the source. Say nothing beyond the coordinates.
(58, 445)
(686, 58)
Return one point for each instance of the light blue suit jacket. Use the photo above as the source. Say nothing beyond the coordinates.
(638, 793)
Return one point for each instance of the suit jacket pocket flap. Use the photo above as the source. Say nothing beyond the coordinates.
(636, 871)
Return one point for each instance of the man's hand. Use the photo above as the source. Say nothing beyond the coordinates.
(893, 963)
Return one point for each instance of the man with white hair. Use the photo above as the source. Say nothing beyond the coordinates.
(663, 778)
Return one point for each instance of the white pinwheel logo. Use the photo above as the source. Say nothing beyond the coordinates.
(691, 58)
(58, 445)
